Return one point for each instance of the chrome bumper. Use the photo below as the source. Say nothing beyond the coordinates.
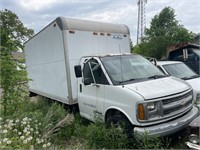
(169, 127)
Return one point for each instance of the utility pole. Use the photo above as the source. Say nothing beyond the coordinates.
(141, 19)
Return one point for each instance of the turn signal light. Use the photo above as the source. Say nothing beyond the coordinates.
(141, 112)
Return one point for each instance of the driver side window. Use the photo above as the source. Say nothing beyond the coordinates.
(87, 75)
(92, 73)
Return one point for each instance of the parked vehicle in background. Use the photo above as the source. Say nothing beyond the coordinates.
(108, 81)
(188, 53)
(194, 137)
(182, 71)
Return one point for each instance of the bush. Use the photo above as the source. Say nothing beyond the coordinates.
(99, 136)
(14, 92)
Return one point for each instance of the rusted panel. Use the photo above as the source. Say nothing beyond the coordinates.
(182, 45)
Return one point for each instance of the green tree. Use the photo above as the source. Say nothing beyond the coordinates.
(13, 35)
(164, 31)
(13, 32)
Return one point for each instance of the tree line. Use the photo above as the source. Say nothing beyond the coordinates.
(165, 30)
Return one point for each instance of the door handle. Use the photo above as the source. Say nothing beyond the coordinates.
(80, 87)
(96, 85)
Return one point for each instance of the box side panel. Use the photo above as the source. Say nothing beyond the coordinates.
(46, 64)
(84, 43)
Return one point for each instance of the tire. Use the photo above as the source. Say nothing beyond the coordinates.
(120, 120)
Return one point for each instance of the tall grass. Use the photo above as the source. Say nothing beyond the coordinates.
(53, 127)
(37, 127)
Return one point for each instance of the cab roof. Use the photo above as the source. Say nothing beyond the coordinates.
(160, 63)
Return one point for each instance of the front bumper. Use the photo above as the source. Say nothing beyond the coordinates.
(169, 127)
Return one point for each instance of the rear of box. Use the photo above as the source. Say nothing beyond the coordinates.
(45, 64)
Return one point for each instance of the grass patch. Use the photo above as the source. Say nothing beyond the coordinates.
(51, 125)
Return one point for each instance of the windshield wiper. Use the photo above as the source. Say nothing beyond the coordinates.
(126, 80)
(191, 77)
(156, 76)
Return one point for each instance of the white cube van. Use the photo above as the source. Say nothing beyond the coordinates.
(108, 80)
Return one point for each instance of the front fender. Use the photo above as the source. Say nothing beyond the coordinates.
(120, 110)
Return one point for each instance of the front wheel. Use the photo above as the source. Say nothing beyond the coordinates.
(119, 120)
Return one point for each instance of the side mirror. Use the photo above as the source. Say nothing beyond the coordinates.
(87, 81)
(77, 70)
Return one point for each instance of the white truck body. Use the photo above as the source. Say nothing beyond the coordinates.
(52, 54)
(159, 105)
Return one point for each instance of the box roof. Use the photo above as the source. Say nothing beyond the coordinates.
(85, 25)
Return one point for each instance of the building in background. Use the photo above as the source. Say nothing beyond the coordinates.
(197, 39)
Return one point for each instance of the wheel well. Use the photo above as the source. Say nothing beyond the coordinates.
(112, 112)
(114, 116)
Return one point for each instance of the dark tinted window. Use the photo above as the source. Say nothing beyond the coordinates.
(93, 73)
(87, 75)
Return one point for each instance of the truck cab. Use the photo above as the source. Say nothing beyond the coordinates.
(129, 85)
(188, 53)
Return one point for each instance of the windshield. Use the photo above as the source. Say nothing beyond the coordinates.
(129, 68)
(180, 70)
(197, 52)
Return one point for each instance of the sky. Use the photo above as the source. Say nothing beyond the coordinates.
(36, 14)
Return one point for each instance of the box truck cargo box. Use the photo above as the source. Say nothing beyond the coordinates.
(52, 53)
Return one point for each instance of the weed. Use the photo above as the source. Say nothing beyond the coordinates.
(36, 127)
(99, 136)
(148, 142)
(21, 134)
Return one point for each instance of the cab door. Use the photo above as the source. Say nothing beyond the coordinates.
(92, 90)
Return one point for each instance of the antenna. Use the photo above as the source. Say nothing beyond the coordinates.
(141, 19)
(121, 62)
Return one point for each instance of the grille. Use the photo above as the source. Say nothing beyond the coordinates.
(177, 98)
(177, 104)
(168, 111)
(169, 107)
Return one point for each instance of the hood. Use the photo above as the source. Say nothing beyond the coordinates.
(158, 87)
(195, 84)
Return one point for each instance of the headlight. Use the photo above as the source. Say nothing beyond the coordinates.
(193, 138)
(151, 106)
(147, 111)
